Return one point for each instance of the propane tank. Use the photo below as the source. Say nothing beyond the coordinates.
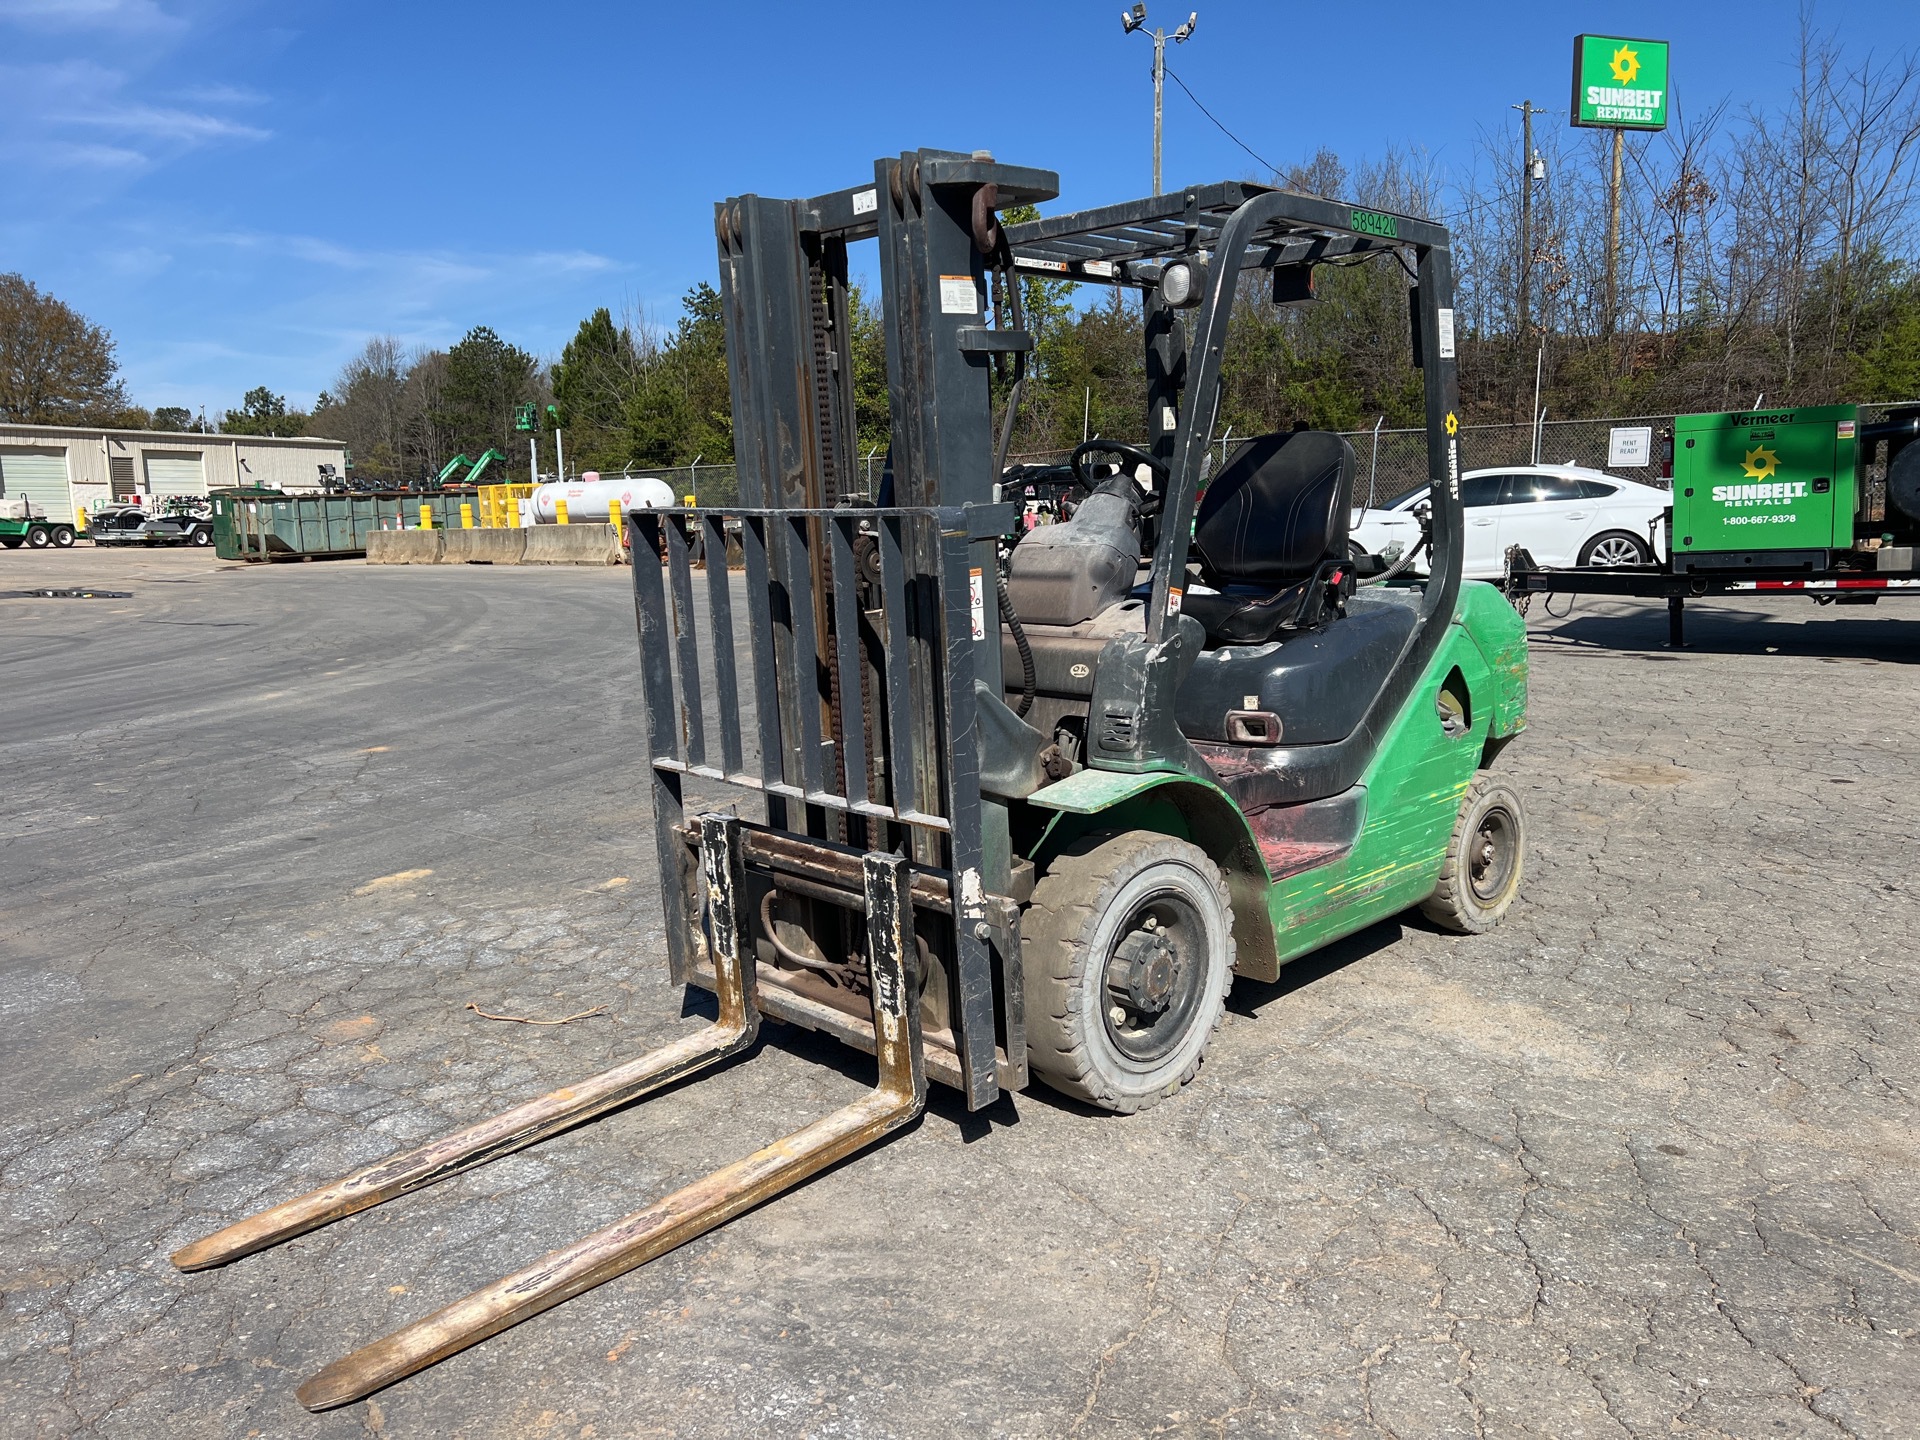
(587, 498)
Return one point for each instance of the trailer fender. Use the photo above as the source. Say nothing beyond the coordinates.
(1096, 801)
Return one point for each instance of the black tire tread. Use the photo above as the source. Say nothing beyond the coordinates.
(1450, 905)
(1066, 906)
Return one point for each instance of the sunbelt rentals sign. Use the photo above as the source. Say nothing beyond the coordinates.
(1618, 83)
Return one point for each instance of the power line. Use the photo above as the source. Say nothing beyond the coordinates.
(1463, 213)
(1271, 168)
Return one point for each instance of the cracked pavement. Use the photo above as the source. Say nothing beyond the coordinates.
(1641, 1162)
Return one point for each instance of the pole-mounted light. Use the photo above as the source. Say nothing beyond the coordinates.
(1136, 19)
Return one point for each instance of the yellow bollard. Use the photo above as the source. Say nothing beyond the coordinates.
(426, 517)
(560, 511)
(613, 517)
(466, 516)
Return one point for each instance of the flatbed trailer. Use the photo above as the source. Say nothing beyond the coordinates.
(1808, 501)
(1524, 580)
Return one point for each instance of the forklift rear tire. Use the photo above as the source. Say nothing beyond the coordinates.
(1486, 858)
(1127, 955)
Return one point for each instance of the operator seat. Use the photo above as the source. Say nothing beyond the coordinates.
(1288, 640)
(1266, 529)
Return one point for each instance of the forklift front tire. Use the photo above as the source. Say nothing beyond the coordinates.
(1127, 959)
(1486, 858)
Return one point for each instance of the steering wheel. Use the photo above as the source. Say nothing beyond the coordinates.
(1130, 453)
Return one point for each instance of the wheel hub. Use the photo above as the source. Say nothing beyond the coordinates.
(1142, 973)
(1490, 859)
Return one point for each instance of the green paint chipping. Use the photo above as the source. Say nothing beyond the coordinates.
(1414, 786)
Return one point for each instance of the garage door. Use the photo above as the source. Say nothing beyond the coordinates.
(40, 476)
(175, 473)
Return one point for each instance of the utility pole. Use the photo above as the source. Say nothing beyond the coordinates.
(1532, 167)
(1133, 20)
(1613, 232)
(1159, 90)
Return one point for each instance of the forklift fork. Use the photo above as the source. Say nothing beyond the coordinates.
(897, 1098)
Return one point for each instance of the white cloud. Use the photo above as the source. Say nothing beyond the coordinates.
(131, 16)
(61, 155)
(162, 123)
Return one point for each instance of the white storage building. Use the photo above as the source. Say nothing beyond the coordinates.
(63, 469)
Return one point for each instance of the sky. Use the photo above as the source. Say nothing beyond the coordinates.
(244, 192)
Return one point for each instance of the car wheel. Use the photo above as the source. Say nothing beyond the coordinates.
(63, 537)
(1615, 547)
(38, 539)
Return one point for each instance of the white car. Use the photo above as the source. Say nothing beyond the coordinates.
(1563, 515)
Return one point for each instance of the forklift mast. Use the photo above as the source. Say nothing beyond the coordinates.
(904, 808)
(870, 662)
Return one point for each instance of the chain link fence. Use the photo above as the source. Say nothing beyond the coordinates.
(1392, 462)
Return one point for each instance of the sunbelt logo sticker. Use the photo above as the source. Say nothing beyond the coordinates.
(1759, 465)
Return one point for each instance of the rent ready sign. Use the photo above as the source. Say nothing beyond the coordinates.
(1619, 83)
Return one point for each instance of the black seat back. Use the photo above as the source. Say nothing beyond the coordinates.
(1278, 509)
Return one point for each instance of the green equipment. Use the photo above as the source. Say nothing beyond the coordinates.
(450, 476)
(452, 468)
(1769, 487)
(36, 533)
(1008, 807)
(1819, 500)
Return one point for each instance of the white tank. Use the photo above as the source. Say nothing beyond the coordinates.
(588, 497)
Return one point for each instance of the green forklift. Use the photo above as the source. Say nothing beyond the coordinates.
(998, 807)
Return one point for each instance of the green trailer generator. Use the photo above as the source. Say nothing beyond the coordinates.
(1815, 500)
(1765, 488)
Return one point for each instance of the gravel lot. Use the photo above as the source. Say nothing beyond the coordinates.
(1642, 1162)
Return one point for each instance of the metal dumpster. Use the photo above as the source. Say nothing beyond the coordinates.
(267, 525)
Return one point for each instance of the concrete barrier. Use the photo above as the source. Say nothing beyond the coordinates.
(404, 547)
(572, 545)
(483, 547)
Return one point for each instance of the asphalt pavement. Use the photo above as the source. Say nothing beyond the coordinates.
(1642, 1162)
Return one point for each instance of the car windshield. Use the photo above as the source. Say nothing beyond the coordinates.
(1400, 502)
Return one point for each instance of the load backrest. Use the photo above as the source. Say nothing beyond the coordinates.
(1278, 509)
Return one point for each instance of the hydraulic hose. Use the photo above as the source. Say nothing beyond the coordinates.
(1398, 565)
(1028, 680)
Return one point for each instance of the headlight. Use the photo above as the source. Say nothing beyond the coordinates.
(1183, 284)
